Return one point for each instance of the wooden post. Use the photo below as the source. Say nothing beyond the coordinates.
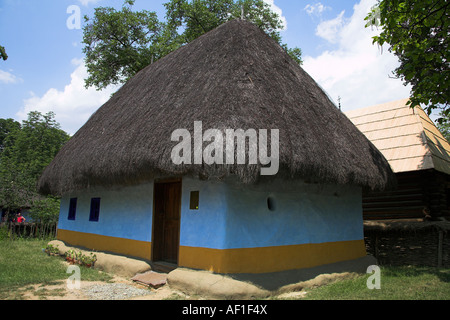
(376, 246)
(440, 246)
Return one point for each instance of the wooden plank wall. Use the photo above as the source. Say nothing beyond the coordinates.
(415, 190)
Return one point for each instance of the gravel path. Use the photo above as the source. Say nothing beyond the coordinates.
(114, 291)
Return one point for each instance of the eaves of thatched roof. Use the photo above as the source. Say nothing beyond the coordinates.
(233, 77)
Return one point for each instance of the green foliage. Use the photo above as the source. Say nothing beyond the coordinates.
(3, 54)
(45, 210)
(198, 16)
(36, 144)
(417, 33)
(444, 125)
(52, 250)
(78, 257)
(26, 150)
(7, 126)
(118, 44)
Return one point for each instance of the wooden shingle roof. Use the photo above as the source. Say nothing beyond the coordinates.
(407, 137)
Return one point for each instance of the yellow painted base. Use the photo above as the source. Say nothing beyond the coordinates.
(271, 259)
(254, 260)
(131, 248)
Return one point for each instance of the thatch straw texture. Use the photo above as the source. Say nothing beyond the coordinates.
(234, 77)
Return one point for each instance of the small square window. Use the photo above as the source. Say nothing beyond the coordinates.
(72, 208)
(95, 209)
(195, 197)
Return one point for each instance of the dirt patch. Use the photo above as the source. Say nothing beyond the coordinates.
(60, 291)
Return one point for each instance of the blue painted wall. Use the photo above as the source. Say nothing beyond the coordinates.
(233, 216)
(205, 227)
(124, 212)
(302, 214)
(230, 215)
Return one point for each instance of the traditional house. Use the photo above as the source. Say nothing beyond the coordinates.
(418, 154)
(127, 187)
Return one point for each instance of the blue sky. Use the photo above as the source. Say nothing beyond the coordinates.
(45, 70)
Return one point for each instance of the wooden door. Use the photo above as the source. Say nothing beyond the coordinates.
(166, 222)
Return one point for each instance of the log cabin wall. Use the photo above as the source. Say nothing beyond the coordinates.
(415, 191)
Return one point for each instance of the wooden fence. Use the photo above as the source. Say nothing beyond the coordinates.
(417, 243)
(31, 230)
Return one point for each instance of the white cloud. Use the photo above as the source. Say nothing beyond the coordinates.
(7, 77)
(315, 9)
(88, 2)
(74, 105)
(355, 70)
(278, 11)
(329, 30)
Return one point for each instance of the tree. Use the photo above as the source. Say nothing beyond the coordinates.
(118, 44)
(28, 149)
(3, 54)
(417, 33)
(36, 144)
(45, 210)
(444, 126)
(197, 17)
(7, 126)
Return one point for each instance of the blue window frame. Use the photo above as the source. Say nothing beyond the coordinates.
(72, 209)
(95, 209)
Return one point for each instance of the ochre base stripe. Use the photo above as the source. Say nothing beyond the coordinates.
(127, 247)
(270, 259)
(253, 260)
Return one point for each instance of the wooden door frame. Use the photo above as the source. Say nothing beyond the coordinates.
(166, 181)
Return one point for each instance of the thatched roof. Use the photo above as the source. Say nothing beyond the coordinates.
(233, 77)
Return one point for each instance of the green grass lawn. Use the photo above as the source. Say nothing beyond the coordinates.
(23, 263)
(396, 283)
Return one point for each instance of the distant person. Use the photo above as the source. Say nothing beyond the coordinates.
(20, 218)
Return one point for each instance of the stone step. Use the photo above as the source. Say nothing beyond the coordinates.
(151, 279)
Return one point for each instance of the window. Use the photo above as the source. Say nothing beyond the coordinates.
(271, 204)
(95, 209)
(195, 197)
(72, 208)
